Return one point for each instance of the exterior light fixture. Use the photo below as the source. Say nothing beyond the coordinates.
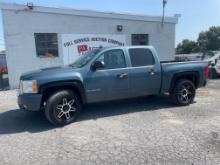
(119, 28)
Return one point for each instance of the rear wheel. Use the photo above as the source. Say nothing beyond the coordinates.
(62, 108)
(183, 93)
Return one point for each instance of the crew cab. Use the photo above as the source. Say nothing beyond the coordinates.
(108, 74)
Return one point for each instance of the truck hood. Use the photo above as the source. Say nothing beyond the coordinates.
(47, 73)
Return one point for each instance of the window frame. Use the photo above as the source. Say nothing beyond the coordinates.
(104, 69)
(39, 47)
(154, 61)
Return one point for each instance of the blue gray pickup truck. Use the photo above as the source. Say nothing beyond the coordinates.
(108, 74)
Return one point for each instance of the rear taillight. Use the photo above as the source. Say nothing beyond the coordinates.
(207, 71)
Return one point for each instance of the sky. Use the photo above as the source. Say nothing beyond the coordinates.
(196, 15)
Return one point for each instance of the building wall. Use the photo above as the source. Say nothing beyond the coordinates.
(20, 26)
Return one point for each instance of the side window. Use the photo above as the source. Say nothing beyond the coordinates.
(141, 57)
(113, 59)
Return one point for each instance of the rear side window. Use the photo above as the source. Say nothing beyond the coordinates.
(141, 57)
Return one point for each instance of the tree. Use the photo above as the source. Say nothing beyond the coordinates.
(210, 40)
(207, 40)
(187, 46)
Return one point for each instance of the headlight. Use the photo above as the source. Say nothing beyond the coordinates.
(29, 86)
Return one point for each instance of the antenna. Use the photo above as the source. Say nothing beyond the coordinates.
(164, 5)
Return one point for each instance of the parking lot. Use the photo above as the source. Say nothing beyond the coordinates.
(146, 130)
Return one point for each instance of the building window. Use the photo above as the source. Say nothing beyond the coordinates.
(46, 45)
(140, 39)
(141, 57)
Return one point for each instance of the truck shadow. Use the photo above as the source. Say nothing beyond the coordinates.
(115, 108)
(17, 121)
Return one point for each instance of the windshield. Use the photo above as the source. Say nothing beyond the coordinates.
(84, 59)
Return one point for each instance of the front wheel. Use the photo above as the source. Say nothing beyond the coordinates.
(62, 108)
(183, 93)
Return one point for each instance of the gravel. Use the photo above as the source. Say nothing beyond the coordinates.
(146, 130)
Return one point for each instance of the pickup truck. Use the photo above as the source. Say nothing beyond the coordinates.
(108, 74)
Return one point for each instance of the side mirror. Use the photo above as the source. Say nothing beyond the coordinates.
(97, 65)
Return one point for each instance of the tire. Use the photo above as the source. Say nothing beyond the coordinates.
(212, 73)
(62, 108)
(183, 93)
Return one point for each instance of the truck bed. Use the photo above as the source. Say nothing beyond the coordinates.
(171, 68)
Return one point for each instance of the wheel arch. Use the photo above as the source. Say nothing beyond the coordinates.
(192, 76)
(48, 89)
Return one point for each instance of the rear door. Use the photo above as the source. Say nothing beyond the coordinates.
(145, 72)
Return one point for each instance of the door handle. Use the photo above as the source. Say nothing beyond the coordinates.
(123, 75)
(152, 72)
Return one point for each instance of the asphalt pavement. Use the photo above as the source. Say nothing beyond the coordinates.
(148, 130)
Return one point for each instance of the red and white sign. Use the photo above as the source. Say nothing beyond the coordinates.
(75, 45)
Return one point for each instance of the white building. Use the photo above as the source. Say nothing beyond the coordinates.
(38, 37)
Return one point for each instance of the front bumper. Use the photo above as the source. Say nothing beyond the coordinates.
(30, 102)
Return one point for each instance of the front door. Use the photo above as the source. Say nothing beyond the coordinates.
(110, 82)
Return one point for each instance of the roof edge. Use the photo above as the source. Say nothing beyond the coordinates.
(87, 13)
